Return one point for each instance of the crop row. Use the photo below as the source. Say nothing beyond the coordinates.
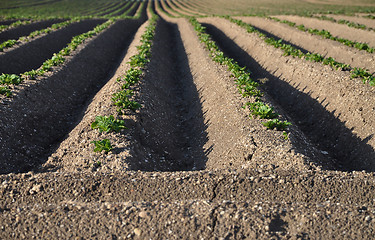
(326, 34)
(122, 99)
(57, 59)
(346, 22)
(289, 50)
(11, 42)
(246, 86)
(13, 25)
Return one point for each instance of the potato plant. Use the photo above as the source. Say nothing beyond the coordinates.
(326, 34)
(122, 99)
(289, 50)
(246, 86)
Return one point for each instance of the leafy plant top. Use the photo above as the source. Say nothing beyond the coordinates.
(102, 145)
(107, 124)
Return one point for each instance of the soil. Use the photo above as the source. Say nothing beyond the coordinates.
(336, 29)
(25, 30)
(313, 43)
(192, 163)
(337, 106)
(31, 56)
(370, 23)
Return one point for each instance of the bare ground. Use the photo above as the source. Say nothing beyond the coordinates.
(25, 30)
(251, 183)
(361, 20)
(31, 56)
(335, 29)
(326, 104)
(313, 43)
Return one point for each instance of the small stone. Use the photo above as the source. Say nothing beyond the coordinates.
(137, 232)
(143, 214)
(368, 218)
(36, 188)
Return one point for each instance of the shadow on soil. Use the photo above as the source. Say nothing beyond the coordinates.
(39, 117)
(323, 129)
(170, 129)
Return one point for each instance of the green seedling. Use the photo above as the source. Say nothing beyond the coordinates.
(10, 79)
(122, 101)
(107, 124)
(5, 91)
(276, 123)
(102, 145)
(262, 110)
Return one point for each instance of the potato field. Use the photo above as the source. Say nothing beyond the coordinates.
(187, 119)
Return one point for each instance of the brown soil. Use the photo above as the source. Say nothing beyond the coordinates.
(313, 43)
(332, 109)
(25, 30)
(370, 23)
(183, 7)
(335, 29)
(192, 163)
(28, 125)
(32, 55)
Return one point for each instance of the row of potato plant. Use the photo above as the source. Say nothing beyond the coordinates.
(126, 6)
(11, 42)
(56, 60)
(123, 98)
(247, 87)
(345, 22)
(326, 34)
(289, 50)
(13, 25)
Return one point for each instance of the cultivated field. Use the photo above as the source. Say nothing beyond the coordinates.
(187, 119)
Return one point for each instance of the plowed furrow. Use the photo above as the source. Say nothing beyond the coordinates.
(188, 220)
(32, 55)
(335, 29)
(320, 100)
(25, 141)
(264, 185)
(25, 30)
(135, 7)
(170, 129)
(315, 44)
(369, 23)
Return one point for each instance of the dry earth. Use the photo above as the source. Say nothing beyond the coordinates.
(192, 163)
(339, 30)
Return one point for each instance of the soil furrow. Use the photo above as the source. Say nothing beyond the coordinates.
(32, 5)
(25, 30)
(233, 139)
(126, 8)
(169, 132)
(262, 184)
(32, 55)
(29, 127)
(335, 29)
(370, 23)
(67, 159)
(315, 44)
(113, 9)
(7, 22)
(134, 10)
(332, 110)
(191, 219)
